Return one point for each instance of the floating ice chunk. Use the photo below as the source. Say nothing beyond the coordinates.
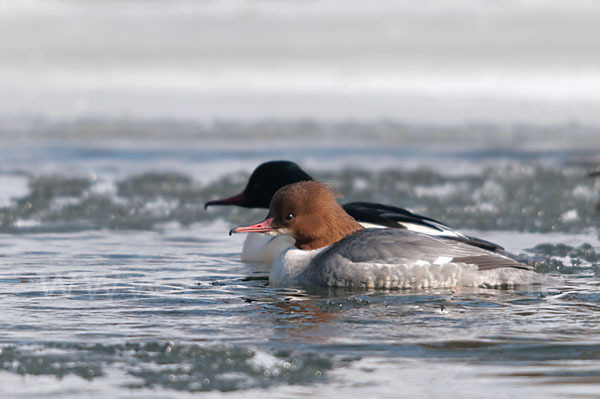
(360, 184)
(25, 223)
(584, 192)
(12, 187)
(569, 216)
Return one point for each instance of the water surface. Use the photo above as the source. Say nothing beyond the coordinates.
(114, 281)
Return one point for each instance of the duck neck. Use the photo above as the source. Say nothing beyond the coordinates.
(333, 228)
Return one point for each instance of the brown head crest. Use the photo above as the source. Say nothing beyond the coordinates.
(309, 211)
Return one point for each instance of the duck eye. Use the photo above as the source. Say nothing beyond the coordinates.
(289, 216)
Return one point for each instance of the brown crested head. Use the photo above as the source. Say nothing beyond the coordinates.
(309, 212)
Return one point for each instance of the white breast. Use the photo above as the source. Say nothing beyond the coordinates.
(262, 248)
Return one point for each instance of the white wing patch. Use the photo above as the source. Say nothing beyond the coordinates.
(446, 232)
(372, 226)
(442, 260)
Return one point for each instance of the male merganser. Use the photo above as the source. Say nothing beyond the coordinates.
(269, 177)
(333, 250)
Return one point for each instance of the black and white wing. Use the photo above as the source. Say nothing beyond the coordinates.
(380, 215)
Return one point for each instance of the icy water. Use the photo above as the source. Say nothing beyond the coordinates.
(115, 282)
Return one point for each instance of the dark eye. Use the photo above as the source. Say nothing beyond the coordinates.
(289, 216)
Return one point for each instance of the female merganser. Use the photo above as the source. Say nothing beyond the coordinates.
(333, 250)
(269, 177)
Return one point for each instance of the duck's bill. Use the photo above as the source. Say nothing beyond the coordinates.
(263, 227)
(238, 199)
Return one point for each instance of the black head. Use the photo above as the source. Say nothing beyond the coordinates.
(264, 182)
